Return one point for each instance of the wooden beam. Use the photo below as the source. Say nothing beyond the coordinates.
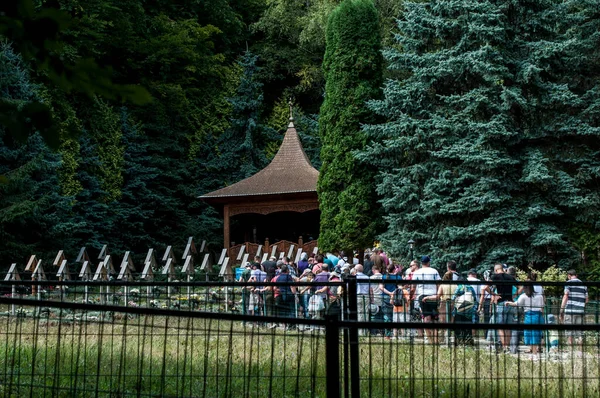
(226, 227)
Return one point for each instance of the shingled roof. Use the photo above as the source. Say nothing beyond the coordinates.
(290, 171)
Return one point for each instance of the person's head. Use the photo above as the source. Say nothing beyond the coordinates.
(414, 265)
(451, 266)
(532, 275)
(319, 258)
(448, 276)
(472, 273)
(286, 260)
(284, 269)
(512, 271)
(528, 289)
(303, 256)
(279, 263)
(324, 267)
(498, 269)
(425, 260)
(376, 269)
(358, 268)
(310, 276)
(391, 268)
(257, 259)
(272, 258)
(571, 274)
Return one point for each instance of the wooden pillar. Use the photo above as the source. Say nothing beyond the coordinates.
(300, 242)
(266, 248)
(226, 226)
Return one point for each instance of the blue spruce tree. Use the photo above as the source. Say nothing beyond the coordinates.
(470, 162)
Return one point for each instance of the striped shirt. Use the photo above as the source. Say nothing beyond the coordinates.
(577, 297)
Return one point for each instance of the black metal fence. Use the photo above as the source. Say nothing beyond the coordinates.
(223, 339)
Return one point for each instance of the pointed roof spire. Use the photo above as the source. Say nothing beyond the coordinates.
(290, 171)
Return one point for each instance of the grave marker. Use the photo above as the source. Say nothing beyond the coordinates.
(202, 247)
(60, 257)
(264, 257)
(298, 254)
(259, 251)
(315, 250)
(273, 250)
(82, 256)
(103, 253)
(102, 275)
(241, 253)
(86, 275)
(148, 272)
(127, 267)
(245, 259)
(39, 275)
(149, 266)
(291, 251)
(190, 248)
(222, 257)
(63, 274)
(13, 275)
(204, 261)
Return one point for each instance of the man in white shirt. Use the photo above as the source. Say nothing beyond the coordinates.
(426, 294)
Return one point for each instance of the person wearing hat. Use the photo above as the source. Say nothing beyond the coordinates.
(426, 294)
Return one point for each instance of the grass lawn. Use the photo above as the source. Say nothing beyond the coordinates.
(177, 356)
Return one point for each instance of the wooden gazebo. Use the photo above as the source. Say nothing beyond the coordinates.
(285, 191)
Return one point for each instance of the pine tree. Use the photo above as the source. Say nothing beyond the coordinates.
(353, 74)
(135, 210)
(467, 162)
(34, 217)
(241, 147)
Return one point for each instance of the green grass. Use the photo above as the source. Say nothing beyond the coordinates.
(158, 356)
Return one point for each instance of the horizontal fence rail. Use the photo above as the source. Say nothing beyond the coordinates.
(357, 338)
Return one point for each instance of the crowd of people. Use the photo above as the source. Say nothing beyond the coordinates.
(387, 292)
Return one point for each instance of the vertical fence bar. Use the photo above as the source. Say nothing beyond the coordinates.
(353, 332)
(332, 355)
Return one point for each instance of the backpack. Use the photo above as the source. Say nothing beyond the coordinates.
(466, 301)
(399, 297)
(459, 277)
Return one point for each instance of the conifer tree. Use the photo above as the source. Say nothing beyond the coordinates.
(469, 162)
(34, 217)
(241, 147)
(353, 75)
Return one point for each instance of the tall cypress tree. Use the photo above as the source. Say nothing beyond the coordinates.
(353, 74)
(468, 160)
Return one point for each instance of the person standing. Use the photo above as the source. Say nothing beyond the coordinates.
(503, 292)
(362, 296)
(376, 296)
(532, 305)
(472, 277)
(425, 293)
(572, 308)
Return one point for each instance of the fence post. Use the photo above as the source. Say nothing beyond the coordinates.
(353, 332)
(332, 355)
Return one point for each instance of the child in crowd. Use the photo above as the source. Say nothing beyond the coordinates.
(400, 300)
